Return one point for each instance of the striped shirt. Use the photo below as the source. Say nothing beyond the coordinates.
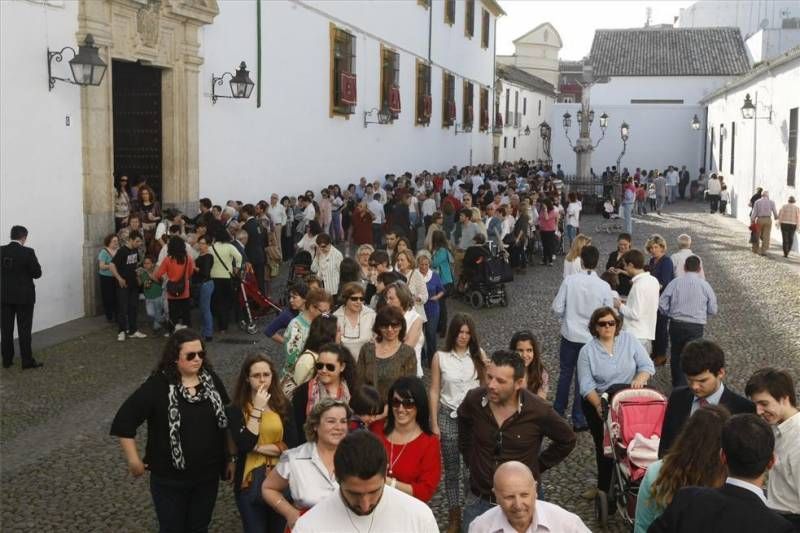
(688, 299)
(763, 207)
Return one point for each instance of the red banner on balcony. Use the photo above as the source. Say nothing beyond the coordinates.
(394, 99)
(347, 88)
(427, 106)
(451, 110)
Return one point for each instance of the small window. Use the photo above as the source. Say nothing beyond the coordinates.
(516, 109)
(733, 143)
(524, 106)
(469, 18)
(721, 141)
(540, 108)
(484, 124)
(468, 111)
(792, 166)
(505, 142)
(450, 12)
(485, 29)
(711, 150)
(424, 3)
(513, 142)
(424, 100)
(390, 82)
(448, 100)
(343, 75)
(508, 107)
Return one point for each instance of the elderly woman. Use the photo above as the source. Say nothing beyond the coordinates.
(613, 357)
(334, 377)
(405, 264)
(361, 222)
(436, 292)
(362, 256)
(355, 319)
(437, 224)
(398, 295)
(261, 429)
(789, 219)
(386, 358)
(183, 402)
(307, 471)
(661, 268)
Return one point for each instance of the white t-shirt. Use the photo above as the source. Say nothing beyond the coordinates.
(573, 214)
(397, 512)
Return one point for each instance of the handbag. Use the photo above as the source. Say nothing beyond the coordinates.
(177, 288)
(257, 477)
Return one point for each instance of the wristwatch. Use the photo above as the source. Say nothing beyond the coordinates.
(232, 459)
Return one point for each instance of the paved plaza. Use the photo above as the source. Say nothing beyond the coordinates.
(61, 471)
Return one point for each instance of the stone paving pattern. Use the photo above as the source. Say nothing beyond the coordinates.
(61, 471)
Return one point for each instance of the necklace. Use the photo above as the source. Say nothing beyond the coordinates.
(392, 459)
(356, 528)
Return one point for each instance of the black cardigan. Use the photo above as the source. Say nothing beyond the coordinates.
(202, 441)
(245, 440)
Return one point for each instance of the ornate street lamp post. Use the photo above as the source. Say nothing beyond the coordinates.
(583, 147)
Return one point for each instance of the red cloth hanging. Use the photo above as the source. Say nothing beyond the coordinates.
(347, 88)
(394, 99)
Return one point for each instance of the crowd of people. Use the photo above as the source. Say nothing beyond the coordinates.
(337, 431)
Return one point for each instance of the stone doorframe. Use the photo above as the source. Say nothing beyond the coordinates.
(162, 34)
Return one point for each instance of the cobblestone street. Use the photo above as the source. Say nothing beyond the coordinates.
(61, 471)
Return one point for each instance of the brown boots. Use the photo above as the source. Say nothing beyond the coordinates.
(454, 520)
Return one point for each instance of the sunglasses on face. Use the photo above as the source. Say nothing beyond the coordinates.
(356, 298)
(191, 355)
(606, 324)
(330, 367)
(405, 403)
(393, 325)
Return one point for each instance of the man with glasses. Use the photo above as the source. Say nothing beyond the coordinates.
(504, 421)
(326, 263)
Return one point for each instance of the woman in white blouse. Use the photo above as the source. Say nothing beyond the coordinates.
(405, 264)
(456, 369)
(355, 319)
(307, 471)
(398, 295)
(572, 261)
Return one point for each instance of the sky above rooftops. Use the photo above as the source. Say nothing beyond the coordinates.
(576, 21)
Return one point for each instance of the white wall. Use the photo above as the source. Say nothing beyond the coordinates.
(527, 146)
(291, 143)
(745, 14)
(767, 141)
(41, 185)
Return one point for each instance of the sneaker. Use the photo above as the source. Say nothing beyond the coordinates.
(167, 334)
(121, 336)
(137, 335)
(179, 327)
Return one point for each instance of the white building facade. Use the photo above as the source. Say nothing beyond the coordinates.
(758, 152)
(431, 61)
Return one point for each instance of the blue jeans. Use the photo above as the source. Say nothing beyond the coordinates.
(473, 508)
(568, 359)
(206, 290)
(627, 215)
(155, 310)
(572, 232)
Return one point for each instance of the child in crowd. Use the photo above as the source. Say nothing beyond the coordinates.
(641, 199)
(153, 301)
(724, 198)
(651, 196)
(613, 281)
(367, 406)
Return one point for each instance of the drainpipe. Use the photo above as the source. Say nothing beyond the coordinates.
(430, 29)
(258, 53)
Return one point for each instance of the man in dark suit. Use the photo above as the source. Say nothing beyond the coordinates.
(18, 296)
(255, 246)
(739, 505)
(703, 362)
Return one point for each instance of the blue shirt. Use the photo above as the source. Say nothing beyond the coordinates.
(435, 286)
(598, 370)
(663, 270)
(579, 295)
(688, 299)
(280, 322)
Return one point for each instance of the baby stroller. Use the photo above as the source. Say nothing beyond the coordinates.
(253, 303)
(299, 269)
(612, 224)
(484, 275)
(633, 420)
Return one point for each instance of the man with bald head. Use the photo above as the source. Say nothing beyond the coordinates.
(517, 509)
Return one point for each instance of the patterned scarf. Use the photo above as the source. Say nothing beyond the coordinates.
(317, 391)
(206, 391)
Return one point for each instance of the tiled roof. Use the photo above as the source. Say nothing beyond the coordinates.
(669, 52)
(516, 75)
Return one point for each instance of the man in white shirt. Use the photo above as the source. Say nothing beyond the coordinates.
(518, 510)
(683, 253)
(640, 310)
(672, 184)
(366, 500)
(773, 392)
(378, 218)
(579, 295)
(714, 191)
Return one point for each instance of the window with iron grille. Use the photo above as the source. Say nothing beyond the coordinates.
(505, 142)
(524, 106)
(508, 107)
(540, 108)
(484, 120)
(733, 142)
(485, 29)
(424, 100)
(792, 166)
(516, 109)
(711, 150)
(343, 75)
(448, 99)
(469, 18)
(390, 81)
(468, 110)
(513, 142)
(721, 140)
(450, 12)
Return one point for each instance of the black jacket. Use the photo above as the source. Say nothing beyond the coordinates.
(679, 408)
(256, 242)
(19, 268)
(729, 509)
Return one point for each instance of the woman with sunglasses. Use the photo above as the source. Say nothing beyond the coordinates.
(316, 303)
(183, 402)
(456, 369)
(334, 377)
(613, 359)
(262, 429)
(398, 295)
(414, 463)
(323, 330)
(354, 318)
(387, 358)
(307, 470)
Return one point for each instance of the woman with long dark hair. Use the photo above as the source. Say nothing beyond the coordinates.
(693, 460)
(457, 368)
(412, 450)
(262, 429)
(178, 268)
(527, 346)
(183, 402)
(122, 203)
